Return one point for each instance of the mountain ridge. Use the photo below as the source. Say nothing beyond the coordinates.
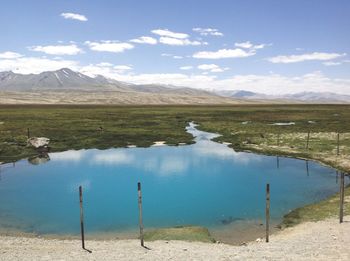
(300, 96)
(67, 80)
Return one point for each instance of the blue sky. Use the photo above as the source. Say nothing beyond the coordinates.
(264, 46)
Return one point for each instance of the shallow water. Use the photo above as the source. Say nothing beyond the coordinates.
(206, 184)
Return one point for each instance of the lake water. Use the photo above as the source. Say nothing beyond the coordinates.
(206, 184)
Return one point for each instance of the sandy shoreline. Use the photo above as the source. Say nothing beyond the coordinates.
(235, 233)
(323, 240)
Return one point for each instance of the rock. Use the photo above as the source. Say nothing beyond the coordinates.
(38, 142)
(258, 240)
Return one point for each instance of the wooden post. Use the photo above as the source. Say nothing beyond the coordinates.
(278, 162)
(338, 144)
(140, 212)
(267, 211)
(307, 140)
(28, 133)
(307, 167)
(341, 208)
(81, 217)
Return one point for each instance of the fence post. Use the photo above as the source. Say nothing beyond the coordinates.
(341, 208)
(307, 140)
(267, 211)
(338, 144)
(140, 212)
(81, 217)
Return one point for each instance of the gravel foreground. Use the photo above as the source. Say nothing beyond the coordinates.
(324, 240)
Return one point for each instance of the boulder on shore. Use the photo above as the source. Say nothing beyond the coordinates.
(38, 142)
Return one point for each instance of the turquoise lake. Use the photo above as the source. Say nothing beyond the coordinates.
(206, 184)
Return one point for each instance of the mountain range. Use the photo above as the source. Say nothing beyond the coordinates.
(54, 86)
(67, 80)
(314, 97)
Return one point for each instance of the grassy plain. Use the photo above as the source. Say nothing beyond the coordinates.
(246, 127)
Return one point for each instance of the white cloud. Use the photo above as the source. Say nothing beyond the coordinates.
(171, 55)
(74, 16)
(27, 65)
(211, 67)
(331, 63)
(122, 67)
(274, 84)
(186, 67)
(10, 55)
(167, 33)
(208, 31)
(224, 53)
(109, 46)
(244, 45)
(71, 49)
(104, 64)
(176, 41)
(144, 40)
(110, 71)
(109, 66)
(207, 66)
(249, 45)
(305, 57)
(172, 38)
(260, 46)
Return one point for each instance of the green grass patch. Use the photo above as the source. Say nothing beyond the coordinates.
(316, 212)
(184, 233)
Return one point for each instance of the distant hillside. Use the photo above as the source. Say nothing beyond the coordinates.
(68, 80)
(308, 97)
(70, 86)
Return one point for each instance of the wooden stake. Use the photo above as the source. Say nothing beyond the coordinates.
(307, 167)
(81, 217)
(307, 140)
(341, 208)
(267, 211)
(338, 144)
(140, 212)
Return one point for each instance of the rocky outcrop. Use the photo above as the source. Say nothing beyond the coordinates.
(38, 142)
